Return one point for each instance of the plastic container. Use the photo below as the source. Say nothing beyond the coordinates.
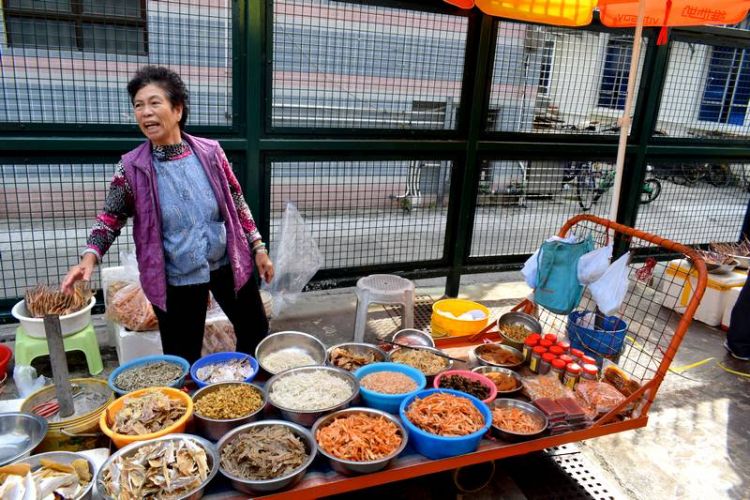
(388, 402)
(589, 372)
(558, 368)
(5, 354)
(546, 343)
(567, 358)
(546, 364)
(587, 360)
(433, 446)
(219, 357)
(444, 325)
(564, 344)
(489, 384)
(536, 358)
(146, 360)
(572, 373)
(551, 337)
(606, 343)
(576, 353)
(69, 323)
(528, 347)
(107, 417)
(78, 433)
(557, 350)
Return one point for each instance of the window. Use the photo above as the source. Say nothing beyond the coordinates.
(614, 86)
(117, 26)
(545, 71)
(727, 91)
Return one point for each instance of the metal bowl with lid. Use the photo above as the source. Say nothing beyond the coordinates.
(22, 432)
(343, 466)
(357, 349)
(212, 458)
(308, 417)
(293, 342)
(67, 458)
(258, 486)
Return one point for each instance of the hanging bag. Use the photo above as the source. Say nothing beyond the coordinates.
(558, 289)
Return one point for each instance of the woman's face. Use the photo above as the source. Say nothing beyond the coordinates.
(157, 118)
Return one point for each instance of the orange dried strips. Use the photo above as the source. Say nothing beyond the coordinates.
(359, 437)
(445, 415)
(516, 420)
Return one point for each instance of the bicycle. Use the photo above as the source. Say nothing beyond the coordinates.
(717, 175)
(593, 179)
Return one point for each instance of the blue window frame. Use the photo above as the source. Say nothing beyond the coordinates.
(614, 87)
(727, 92)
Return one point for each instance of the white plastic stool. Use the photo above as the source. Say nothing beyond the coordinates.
(383, 289)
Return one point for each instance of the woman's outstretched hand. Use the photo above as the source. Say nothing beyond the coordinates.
(265, 266)
(81, 271)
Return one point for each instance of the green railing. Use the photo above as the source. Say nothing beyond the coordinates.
(415, 139)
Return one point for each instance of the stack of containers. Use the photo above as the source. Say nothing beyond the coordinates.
(548, 354)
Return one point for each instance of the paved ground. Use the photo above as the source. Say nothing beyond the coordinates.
(41, 249)
(695, 445)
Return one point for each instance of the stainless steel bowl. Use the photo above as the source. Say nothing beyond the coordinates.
(482, 348)
(214, 429)
(126, 451)
(296, 341)
(308, 417)
(410, 336)
(64, 457)
(430, 377)
(484, 370)
(743, 261)
(517, 318)
(357, 348)
(351, 467)
(527, 407)
(258, 486)
(22, 433)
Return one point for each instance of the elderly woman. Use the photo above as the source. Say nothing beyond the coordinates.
(192, 228)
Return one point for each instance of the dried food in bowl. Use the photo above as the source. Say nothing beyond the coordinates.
(310, 389)
(498, 355)
(472, 383)
(59, 474)
(424, 360)
(445, 414)
(514, 420)
(286, 350)
(353, 355)
(147, 413)
(359, 435)
(228, 401)
(224, 367)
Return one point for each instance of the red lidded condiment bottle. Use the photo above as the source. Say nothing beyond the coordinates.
(558, 367)
(536, 358)
(546, 343)
(572, 372)
(557, 350)
(528, 345)
(590, 372)
(551, 337)
(577, 353)
(546, 363)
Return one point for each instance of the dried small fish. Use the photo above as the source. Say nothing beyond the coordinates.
(166, 469)
(51, 480)
(157, 374)
(149, 413)
(233, 370)
(263, 453)
(43, 300)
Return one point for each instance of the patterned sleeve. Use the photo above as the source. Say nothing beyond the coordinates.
(243, 211)
(119, 204)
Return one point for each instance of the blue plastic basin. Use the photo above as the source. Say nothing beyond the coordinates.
(182, 362)
(434, 446)
(219, 357)
(388, 402)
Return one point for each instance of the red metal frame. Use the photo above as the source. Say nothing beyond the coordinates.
(491, 450)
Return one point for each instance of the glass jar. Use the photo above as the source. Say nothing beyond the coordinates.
(546, 363)
(536, 358)
(556, 350)
(558, 368)
(564, 344)
(572, 373)
(577, 353)
(589, 372)
(551, 337)
(528, 346)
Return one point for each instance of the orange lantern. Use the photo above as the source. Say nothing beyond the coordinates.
(624, 13)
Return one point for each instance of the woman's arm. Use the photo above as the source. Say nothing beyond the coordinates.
(243, 210)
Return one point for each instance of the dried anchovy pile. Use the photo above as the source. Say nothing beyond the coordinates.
(43, 300)
(160, 373)
(463, 384)
(263, 453)
(149, 413)
(229, 401)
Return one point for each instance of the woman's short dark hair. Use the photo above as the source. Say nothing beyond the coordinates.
(169, 81)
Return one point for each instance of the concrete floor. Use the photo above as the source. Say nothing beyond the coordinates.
(695, 446)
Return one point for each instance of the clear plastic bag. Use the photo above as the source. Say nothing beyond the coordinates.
(598, 396)
(544, 386)
(295, 256)
(218, 334)
(594, 264)
(26, 380)
(609, 291)
(129, 307)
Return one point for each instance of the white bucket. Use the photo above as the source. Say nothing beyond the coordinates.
(69, 323)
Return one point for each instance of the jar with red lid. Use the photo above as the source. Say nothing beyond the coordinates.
(564, 344)
(572, 373)
(577, 353)
(558, 368)
(534, 336)
(551, 337)
(546, 363)
(587, 360)
(589, 372)
(557, 350)
(567, 358)
(528, 345)
(536, 358)
(546, 343)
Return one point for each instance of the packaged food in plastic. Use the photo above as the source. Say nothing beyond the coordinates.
(598, 396)
(129, 307)
(619, 378)
(218, 335)
(544, 386)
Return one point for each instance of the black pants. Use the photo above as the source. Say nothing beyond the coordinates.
(181, 325)
(738, 336)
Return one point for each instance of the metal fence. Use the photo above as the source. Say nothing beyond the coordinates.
(414, 138)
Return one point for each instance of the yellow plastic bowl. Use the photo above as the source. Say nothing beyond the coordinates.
(107, 417)
(445, 326)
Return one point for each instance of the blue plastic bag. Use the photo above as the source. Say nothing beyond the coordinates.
(558, 289)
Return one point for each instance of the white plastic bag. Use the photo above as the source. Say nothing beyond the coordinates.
(609, 291)
(295, 256)
(26, 380)
(592, 265)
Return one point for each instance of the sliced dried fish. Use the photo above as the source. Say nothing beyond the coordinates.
(166, 469)
(149, 413)
(263, 453)
(52, 480)
(232, 370)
